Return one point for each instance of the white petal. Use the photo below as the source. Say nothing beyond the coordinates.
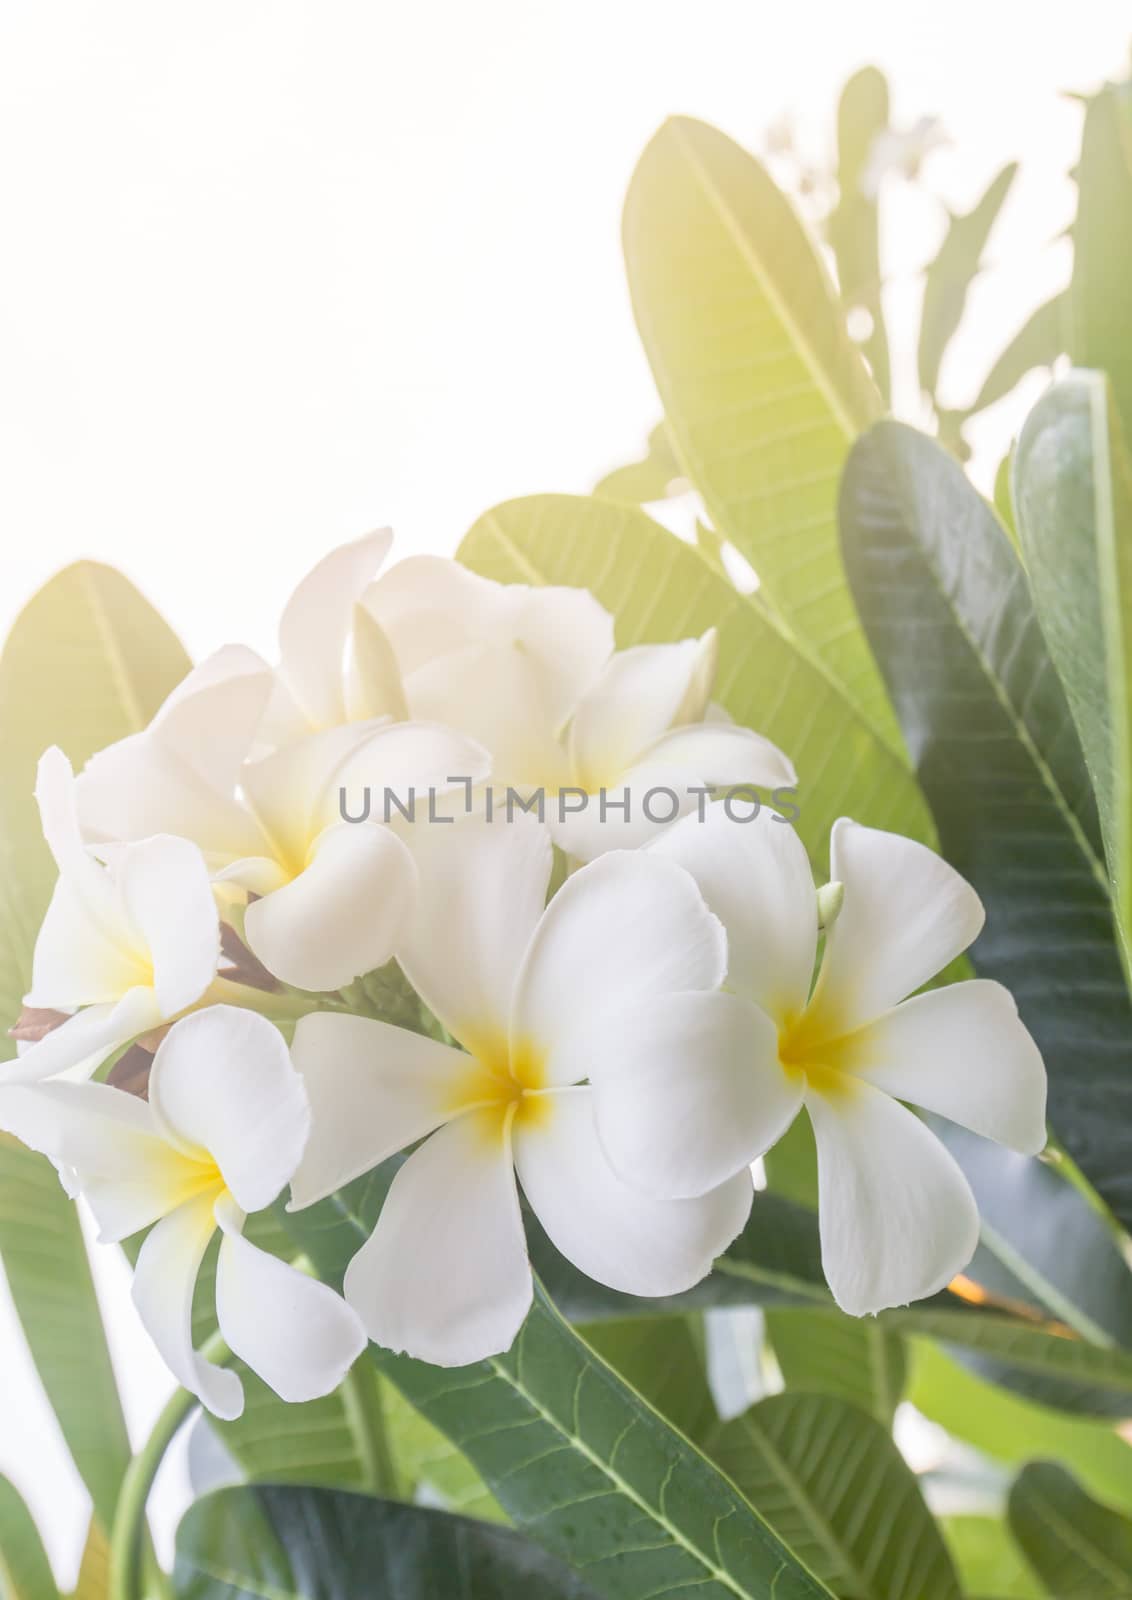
(179, 775)
(756, 877)
(409, 759)
(373, 678)
(614, 1233)
(445, 1276)
(166, 891)
(493, 693)
(627, 815)
(294, 792)
(135, 788)
(293, 1331)
(688, 1090)
(618, 934)
(342, 916)
(482, 887)
(641, 694)
(316, 622)
(906, 914)
(86, 952)
(963, 1052)
(430, 606)
(85, 948)
(222, 1083)
(164, 1279)
(85, 1039)
(721, 754)
(110, 1141)
(897, 1218)
(374, 1089)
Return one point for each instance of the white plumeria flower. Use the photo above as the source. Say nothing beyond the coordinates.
(445, 1275)
(331, 895)
(124, 946)
(220, 1137)
(897, 1216)
(532, 675)
(647, 734)
(503, 662)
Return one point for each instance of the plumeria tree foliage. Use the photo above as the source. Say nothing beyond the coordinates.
(582, 1060)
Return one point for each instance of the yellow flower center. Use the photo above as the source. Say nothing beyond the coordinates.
(505, 1078)
(826, 1064)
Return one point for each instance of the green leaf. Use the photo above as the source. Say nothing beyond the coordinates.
(48, 1272)
(1100, 294)
(763, 390)
(857, 1359)
(764, 681)
(992, 738)
(662, 1358)
(25, 1572)
(832, 1483)
(1044, 1362)
(949, 276)
(1003, 497)
(862, 116)
(1073, 487)
(1038, 343)
(295, 1544)
(1043, 1241)
(1012, 1430)
(1080, 1550)
(573, 1453)
(987, 1559)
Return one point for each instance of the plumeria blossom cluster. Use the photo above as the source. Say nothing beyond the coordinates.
(617, 1053)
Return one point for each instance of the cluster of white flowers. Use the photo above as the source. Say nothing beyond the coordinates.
(622, 1052)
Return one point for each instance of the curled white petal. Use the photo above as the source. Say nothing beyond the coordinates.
(342, 915)
(293, 1331)
(223, 1086)
(164, 1279)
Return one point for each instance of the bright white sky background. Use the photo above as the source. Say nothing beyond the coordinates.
(275, 273)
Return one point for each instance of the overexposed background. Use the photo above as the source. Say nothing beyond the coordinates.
(277, 272)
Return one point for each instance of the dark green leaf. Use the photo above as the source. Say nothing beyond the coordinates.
(833, 1484)
(663, 1359)
(325, 1544)
(951, 618)
(763, 389)
(949, 276)
(1073, 487)
(1080, 1550)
